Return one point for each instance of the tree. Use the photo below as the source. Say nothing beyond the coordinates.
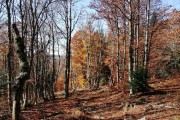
(110, 11)
(69, 17)
(10, 52)
(79, 60)
(164, 39)
(88, 44)
(128, 15)
(23, 76)
(146, 41)
(88, 55)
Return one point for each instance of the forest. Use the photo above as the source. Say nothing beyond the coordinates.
(89, 60)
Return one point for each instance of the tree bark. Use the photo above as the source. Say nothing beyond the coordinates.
(23, 76)
(68, 45)
(10, 54)
(118, 54)
(124, 48)
(137, 37)
(89, 61)
(54, 68)
(130, 63)
(146, 41)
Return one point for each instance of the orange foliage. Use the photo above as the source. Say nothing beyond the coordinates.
(81, 82)
(78, 58)
(59, 86)
(165, 42)
(3, 49)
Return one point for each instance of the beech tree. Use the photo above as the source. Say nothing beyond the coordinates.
(140, 39)
(23, 76)
(88, 56)
(164, 39)
(131, 17)
(31, 21)
(69, 17)
(10, 51)
(146, 41)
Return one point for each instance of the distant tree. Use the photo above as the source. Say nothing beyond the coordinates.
(69, 17)
(88, 55)
(164, 36)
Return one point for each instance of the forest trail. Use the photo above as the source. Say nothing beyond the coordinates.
(163, 103)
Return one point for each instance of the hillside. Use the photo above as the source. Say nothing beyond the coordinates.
(162, 103)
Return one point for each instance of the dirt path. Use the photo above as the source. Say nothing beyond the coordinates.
(163, 103)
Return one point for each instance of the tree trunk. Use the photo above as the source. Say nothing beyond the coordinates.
(112, 64)
(70, 37)
(146, 41)
(118, 56)
(23, 76)
(137, 37)
(130, 62)
(66, 82)
(68, 22)
(54, 68)
(124, 48)
(10, 54)
(88, 52)
(88, 67)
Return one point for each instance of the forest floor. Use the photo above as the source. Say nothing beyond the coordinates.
(162, 103)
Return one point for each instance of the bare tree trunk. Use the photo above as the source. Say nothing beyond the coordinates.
(66, 82)
(23, 76)
(54, 68)
(89, 63)
(32, 34)
(29, 93)
(89, 55)
(134, 48)
(112, 65)
(88, 68)
(146, 41)
(68, 19)
(99, 56)
(130, 62)
(124, 48)
(10, 53)
(118, 56)
(137, 37)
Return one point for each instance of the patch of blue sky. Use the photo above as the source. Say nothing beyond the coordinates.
(175, 4)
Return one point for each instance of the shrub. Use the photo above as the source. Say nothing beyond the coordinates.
(103, 80)
(140, 81)
(105, 73)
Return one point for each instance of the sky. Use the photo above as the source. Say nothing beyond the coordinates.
(173, 3)
(85, 4)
